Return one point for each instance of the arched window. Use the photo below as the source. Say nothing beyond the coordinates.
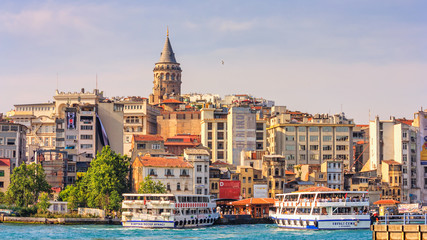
(276, 172)
(269, 171)
(161, 76)
(167, 67)
(167, 76)
(173, 77)
(178, 186)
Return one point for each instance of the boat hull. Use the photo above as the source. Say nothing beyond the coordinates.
(163, 224)
(323, 223)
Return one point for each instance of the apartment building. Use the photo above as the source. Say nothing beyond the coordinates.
(13, 143)
(199, 158)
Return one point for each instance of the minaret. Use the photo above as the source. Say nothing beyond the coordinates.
(167, 75)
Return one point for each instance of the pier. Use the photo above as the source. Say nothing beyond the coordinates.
(400, 227)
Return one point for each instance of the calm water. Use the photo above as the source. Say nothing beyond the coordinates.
(257, 231)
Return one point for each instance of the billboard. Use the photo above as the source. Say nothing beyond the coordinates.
(260, 191)
(423, 137)
(71, 120)
(409, 208)
(229, 189)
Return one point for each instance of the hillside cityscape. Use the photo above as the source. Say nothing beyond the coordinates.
(234, 147)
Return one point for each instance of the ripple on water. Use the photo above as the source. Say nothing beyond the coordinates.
(240, 232)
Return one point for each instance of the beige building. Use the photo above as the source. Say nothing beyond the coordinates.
(273, 170)
(229, 132)
(4, 174)
(313, 140)
(170, 124)
(334, 171)
(391, 179)
(175, 173)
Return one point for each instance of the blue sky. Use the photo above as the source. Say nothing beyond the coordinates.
(314, 56)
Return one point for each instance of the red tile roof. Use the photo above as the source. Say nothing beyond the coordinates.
(391, 162)
(138, 137)
(386, 202)
(254, 201)
(405, 121)
(289, 173)
(148, 161)
(4, 162)
(172, 101)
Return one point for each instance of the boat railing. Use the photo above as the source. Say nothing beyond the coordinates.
(405, 219)
(328, 200)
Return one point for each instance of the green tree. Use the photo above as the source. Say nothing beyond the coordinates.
(26, 183)
(43, 203)
(103, 184)
(150, 186)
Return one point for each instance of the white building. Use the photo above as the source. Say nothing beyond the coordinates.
(175, 173)
(335, 173)
(396, 139)
(199, 158)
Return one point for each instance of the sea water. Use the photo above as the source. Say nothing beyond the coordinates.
(249, 231)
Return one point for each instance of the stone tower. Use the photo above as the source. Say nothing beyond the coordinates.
(167, 76)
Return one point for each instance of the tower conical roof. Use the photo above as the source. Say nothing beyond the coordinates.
(167, 54)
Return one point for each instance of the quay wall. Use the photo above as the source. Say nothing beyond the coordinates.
(399, 232)
(35, 220)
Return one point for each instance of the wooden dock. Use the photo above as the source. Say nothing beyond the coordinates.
(399, 232)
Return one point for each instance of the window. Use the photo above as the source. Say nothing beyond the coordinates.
(199, 168)
(341, 129)
(327, 147)
(168, 186)
(313, 129)
(168, 172)
(71, 137)
(327, 156)
(198, 191)
(301, 129)
(209, 126)
(155, 146)
(302, 147)
(1, 173)
(220, 155)
(220, 126)
(199, 180)
(314, 138)
(10, 141)
(152, 172)
(86, 137)
(342, 156)
(178, 186)
(290, 157)
(404, 146)
(342, 138)
(220, 136)
(86, 127)
(302, 157)
(85, 146)
(184, 172)
(249, 191)
(206, 168)
(327, 138)
(314, 157)
(289, 138)
(140, 146)
(1, 184)
(301, 138)
(404, 134)
(341, 147)
(209, 135)
(244, 180)
(314, 147)
(206, 180)
(290, 147)
(327, 129)
(249, 180)
(1, 141)
(290, 129)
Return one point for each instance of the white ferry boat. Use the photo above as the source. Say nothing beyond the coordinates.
(323, 209)
(168, 211)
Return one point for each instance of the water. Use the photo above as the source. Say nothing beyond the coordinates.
(256, 231)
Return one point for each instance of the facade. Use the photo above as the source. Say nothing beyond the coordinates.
(273, 170)
(147, 144)
(176, 145)
(5, 171)
(228, 132)
(391, 172)
(249, 178)
(199, 158)
(396, 139)
(174, 173)
(13, 143)
(420, 121)
(60, 171)
(252, 158)
(334, 170)
(313, 140)
(170, 124)
(167, 76)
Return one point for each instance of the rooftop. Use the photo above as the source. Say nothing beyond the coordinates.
(5, 162)
(147, 138)
(148, 161)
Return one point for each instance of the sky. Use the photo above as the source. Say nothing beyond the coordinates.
(364, 57)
